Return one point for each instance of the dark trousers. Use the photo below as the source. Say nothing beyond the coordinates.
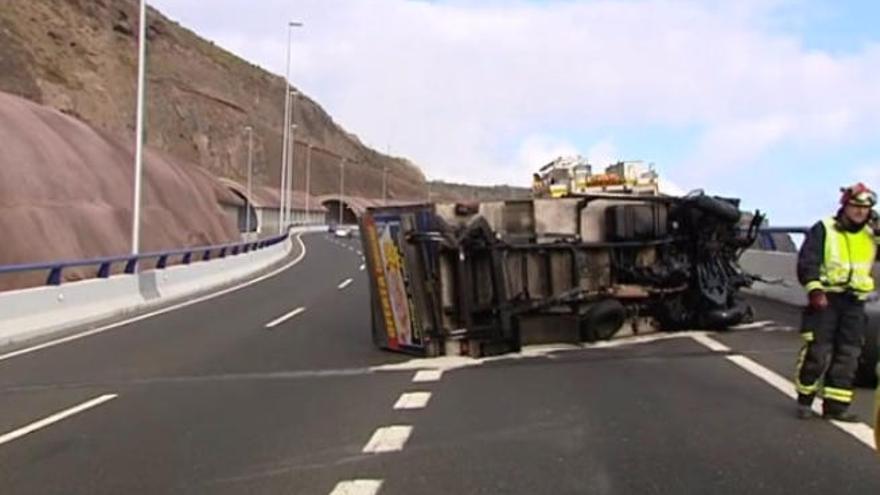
(832, 343)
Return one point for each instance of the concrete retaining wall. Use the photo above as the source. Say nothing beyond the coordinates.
(782, 267)
(34, 312)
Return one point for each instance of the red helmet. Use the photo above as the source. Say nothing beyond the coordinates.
(859, 195)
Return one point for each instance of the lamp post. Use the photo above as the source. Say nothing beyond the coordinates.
(284, 127)
(139, 138)
(291, 167)
(308, 178)
(250, 167)
(341, 189)
(290, 188)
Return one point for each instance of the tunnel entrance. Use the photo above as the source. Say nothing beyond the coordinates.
(332, 217)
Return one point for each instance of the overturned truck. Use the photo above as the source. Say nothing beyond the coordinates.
(487, 278)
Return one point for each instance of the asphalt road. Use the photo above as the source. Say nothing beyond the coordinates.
(209, 399)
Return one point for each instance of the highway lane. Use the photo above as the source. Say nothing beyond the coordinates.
(216, 335)
(166, 368)
(778, 345)
(210, 400)
(665, 417)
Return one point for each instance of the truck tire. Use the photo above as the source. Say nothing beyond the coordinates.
(866, 375)
(718, 208)
(724, 318)
(601, 320)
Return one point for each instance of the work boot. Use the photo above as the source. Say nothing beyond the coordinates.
(805, 412)
(842, 416)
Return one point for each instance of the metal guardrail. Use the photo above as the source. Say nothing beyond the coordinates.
(105, 264)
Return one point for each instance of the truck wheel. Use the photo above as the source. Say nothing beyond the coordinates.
(724, 318)
(718, 208)
(866, 375)
(601, 320)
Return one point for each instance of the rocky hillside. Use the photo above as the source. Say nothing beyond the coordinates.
(56, 203)
(80, 57)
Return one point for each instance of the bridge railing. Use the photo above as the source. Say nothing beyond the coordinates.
(104, 265)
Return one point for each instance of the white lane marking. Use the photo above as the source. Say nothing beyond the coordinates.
(361, 268)
(357, 487)
(207, 297)
(413, 400)
(282, 319)
(753, 325)
(428, 376)
(771, 377)
(59, 416)
(711, 343)
(859, 431)
(388, 439)
(345, 283)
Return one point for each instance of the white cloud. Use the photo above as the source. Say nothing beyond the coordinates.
(603, 153)
(474, 92)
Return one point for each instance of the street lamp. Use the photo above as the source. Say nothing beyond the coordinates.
(341, 189)
(139, 138)
(250, 167)
(285, 143)
(308, 178)
(289, 187)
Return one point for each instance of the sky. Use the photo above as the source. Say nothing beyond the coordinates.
(776, 102)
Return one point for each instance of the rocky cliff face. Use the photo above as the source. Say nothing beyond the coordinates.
(57, 204)
(80, 57)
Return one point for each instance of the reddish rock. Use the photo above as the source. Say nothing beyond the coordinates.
(66, 193)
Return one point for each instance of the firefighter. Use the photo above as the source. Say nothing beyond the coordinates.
(834, 265)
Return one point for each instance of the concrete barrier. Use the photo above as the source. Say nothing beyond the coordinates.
(781, 268)
(30, 313)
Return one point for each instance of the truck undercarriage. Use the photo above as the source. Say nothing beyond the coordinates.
(487, 278)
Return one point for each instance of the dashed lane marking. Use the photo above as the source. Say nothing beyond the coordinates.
(361, 268)
(283, 318)
(357, 487)
(59, 416)
(424, 376)
(859, 431)
(413, 400)
(388, 439)
(345, 283)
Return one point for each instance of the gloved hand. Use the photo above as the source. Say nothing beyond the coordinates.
(818, 300)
